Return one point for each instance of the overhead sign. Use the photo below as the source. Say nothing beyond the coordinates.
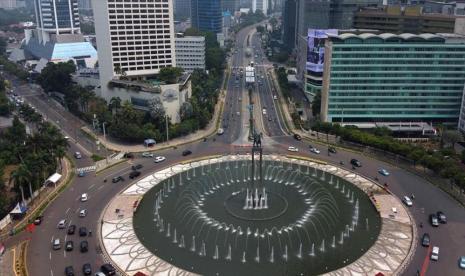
(316, 48)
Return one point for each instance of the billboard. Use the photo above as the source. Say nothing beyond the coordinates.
(316, 48)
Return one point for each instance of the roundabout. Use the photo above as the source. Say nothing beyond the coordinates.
(216, 217)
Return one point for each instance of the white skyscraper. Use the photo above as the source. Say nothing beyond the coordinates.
(190, 52)
(135, 38)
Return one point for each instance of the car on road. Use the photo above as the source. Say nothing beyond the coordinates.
(275, 97)
(186, 153)
(435, 253)
(82, 173)
(355, 163)
(407, 201)
(84, 246)
(128, 155)
(69, 271)
(220, 131)
(137, 167)
(77, 155)
(425, 240)
(293, 149)
(56, 244)
(38, 220)
(297, 137)
(332, 150)
(82, 231)
(71, 229)
(314, 150)
(117, 179)
(87, 269)
(84, 197)
(108, 269)
(462, 262)
(442, 217)
(238, 113)
(69, 246)
(433, 219)
(134, 174)
(383, 172)
(269, 118)
(83, 213)
(147, 154)
(61, 224)
(264, 111)
(159, 159)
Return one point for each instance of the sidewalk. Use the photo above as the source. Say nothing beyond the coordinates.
(200, 134)
(38, 203)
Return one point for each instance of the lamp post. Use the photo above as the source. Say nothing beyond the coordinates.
(167, 129)
(105, 139)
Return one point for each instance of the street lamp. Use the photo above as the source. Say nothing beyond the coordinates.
(105, 139)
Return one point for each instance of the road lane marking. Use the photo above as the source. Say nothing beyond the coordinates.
(67, 210)
(51, 272)
(50, 255)
(99, 188)
(52, 240)
(91, 186)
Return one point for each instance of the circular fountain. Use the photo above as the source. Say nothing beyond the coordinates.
(228, 218)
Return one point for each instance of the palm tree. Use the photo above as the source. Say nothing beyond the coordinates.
(21, 176)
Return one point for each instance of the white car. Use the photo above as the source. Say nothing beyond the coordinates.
(383, 172)
(293, 149)
(159, 159)
(83, 213)
(435, 253)
(147, 154)
(264, 111)
(407, 201)
(275, 97)
(315, 150)
(84, 197)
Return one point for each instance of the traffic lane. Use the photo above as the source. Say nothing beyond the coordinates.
(428, 199)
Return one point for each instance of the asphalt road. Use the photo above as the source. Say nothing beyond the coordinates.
(43, 260)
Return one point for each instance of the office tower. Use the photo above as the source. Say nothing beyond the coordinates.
(207, 15)
(290, 23)
(182, 9)
(230, 5)
(393, 78)
(260, 5)
(190, 52)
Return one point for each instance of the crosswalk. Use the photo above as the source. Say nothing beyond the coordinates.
(86, 169)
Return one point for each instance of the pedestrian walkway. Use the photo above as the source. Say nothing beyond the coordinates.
(86, 169)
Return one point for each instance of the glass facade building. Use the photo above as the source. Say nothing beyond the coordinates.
(59, 16)
(206, 15)
(393, 78)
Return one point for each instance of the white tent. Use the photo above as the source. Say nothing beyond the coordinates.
(53, 179)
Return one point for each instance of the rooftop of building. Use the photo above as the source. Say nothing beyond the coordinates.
(405, 37)
(401, 11)
(148, 85)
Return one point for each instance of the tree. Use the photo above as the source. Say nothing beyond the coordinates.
(115, 104)
(186, 111)
(170, 75)
(450, 137)
(156, 109)
(316, 104)
(2, 46)
(57, 77)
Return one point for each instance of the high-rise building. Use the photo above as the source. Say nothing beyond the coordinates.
(461, 125)
(400, 19)
(85, 4)
(57, 37)
(12, 4)
(135, 39)
(182, 9)
(393, 78)
(207, 15)
(230, 5)
(290, 23)
(322, 14)
(190, 52)
(261, 5)
(56, 17)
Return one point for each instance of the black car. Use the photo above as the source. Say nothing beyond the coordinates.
(84, 246)
(82, 231)
(297, 137)
(69, 246)
(355, 163)
(134, 174)
(117, 179)
(442, 217)
(38, 220)
(69, 271)
(425, 240)
(136, 167)
(128, 155)
(186, 152)
(87, 269)
(71, 229)
(108, 269)
(332, 150)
